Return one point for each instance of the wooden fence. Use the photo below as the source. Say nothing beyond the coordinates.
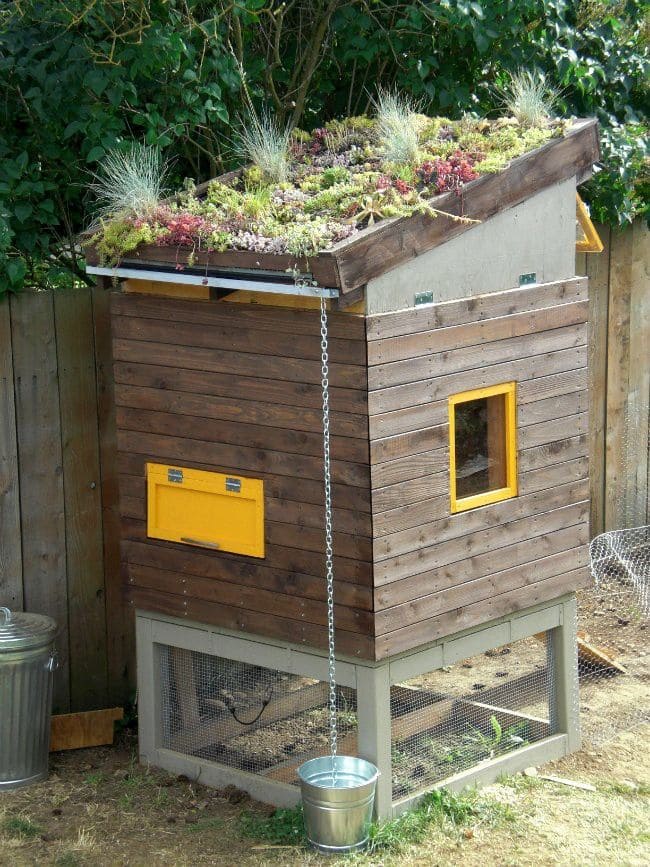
(59, 525)
(59, 541)
(619, 292)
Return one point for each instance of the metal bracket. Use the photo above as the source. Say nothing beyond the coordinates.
(301, 286)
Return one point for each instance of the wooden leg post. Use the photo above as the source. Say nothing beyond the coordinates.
(374, 730)
(563, 668)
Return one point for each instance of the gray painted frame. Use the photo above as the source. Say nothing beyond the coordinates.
(372, 680)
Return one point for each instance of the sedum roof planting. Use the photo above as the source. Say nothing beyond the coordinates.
(334, 182)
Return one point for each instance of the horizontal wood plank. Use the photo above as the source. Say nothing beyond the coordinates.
(467, 616)
(238, 411)
(249, 598)
(250, 622)
(548, 431)
(252, 388)
(409, 443)
(237, 363)
(410, 492)
(190, 561)
(411, 346)
(409, 467)
(239, 460)
(288, 559)
(476, 308)
(410, 600)
(415, 418)
(417, 539)
(212, 430)
(257, 317)
(424, 510)
(419, 566)
(440, 387)
(238, 337)
(465, 358)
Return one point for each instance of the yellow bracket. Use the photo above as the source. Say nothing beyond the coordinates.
(590, 241)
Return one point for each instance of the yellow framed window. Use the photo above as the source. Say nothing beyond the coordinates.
(482, 446)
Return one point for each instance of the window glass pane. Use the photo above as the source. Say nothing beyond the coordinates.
(480, 431)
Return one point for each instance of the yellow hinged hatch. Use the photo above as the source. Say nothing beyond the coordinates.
(211, 510)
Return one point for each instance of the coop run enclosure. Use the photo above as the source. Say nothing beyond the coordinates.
(458, 387)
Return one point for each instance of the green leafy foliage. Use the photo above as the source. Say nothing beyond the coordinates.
(80, 77)
(282, 828)
(440, 808)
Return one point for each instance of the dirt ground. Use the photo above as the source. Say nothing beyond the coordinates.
(100, 807)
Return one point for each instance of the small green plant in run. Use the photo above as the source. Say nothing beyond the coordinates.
(16, 826)
(283, 827)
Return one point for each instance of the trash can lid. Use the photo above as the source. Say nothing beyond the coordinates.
(20, 630)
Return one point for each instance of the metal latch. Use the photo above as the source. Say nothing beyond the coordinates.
(233, 485)
(174, 475)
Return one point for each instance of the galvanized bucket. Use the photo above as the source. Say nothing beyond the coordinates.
(338, 807)
(27, 660)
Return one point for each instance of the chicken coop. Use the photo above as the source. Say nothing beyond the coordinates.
(458, 389)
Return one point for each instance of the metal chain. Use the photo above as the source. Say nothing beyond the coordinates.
(329, 554)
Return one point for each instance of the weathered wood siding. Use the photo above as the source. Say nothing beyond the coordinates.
(236, 388)
(619, 385)
(436, 573)
(57, 547)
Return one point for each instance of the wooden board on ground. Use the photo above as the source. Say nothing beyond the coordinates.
(74, 731)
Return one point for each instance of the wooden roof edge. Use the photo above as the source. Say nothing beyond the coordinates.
(381, 248)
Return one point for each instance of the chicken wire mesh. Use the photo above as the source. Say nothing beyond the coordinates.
(449, 720)
(614, 615)
(613, 650)
(245, 716)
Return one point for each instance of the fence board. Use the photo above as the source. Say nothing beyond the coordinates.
(619, 348)
(40, 465)
(11, 558)
(82, 491)
(120, 631)
(638, 414)
(597, 268)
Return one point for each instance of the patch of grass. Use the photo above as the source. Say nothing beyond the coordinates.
(208, 823)
(17, 826)
(283, 827)
(95, 778)
(440, 808)
(624, 788)
(67, 859)
(125, 801)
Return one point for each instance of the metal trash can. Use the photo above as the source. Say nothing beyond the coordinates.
(27, 663)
